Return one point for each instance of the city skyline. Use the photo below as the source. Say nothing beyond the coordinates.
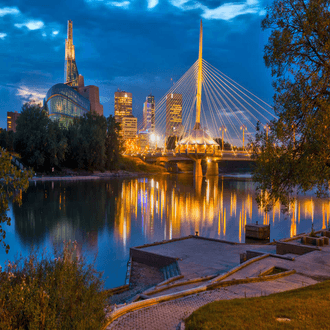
(109, 54)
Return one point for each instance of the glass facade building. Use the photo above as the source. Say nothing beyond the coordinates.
(64, 103)
(149, 114)
(173, 114)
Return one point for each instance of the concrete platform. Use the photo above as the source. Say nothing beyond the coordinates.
(199, 257)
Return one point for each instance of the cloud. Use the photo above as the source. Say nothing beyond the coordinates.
(55, 33)
(122, 4)
(225, 12)
(3, 35)
(9, 11)
(27, 94)
(31, 25)
(152, 3)
(230, 10)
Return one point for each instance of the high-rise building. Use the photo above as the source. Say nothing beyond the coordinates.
(149, 114)
(124, 115)
(129, 127)
(11, 120)
(173, 114)
(73, 98)
(123, 105)
(71, 75)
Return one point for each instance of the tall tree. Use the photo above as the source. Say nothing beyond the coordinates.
(295, 154)
(112, 144)
(40, 141)
(86, 139)
(12, 182)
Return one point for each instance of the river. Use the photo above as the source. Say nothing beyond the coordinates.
(107, 217)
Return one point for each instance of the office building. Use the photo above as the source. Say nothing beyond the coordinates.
(124, 116)
(129, 127)
(174, 115)
(123, 105)
(149, 114)
(11, 120)
(73, 98)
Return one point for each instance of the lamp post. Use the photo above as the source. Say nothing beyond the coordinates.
(243, 128)
(222, 129)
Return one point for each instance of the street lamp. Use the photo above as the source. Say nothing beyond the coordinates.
(243, 128)
(222, 129)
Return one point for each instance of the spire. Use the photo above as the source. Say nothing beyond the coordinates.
(70, 70)
(199, 79)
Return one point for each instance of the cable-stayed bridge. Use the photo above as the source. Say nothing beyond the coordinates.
(206, 114)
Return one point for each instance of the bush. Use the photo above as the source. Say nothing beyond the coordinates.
(40, 292)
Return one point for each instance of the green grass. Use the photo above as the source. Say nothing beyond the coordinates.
(307, 308)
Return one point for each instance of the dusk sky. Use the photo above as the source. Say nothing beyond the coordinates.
(134, 45)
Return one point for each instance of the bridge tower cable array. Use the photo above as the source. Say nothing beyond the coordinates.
(211, 100)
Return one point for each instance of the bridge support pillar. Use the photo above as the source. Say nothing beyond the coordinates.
(212, 169)
(198, 168)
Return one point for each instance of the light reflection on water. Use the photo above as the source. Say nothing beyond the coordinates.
(108, 217)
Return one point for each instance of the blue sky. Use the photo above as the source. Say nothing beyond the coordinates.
(134, 45)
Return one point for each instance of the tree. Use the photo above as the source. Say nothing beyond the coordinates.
(294, 156)
(112, 144)
(12, 182)
(40, 141)
(86, 139)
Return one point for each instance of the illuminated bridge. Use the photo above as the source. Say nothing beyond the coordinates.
(207, 116)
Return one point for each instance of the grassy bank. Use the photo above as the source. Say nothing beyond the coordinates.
(306, 308)
(135, 164)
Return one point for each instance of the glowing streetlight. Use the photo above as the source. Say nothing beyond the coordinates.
(222, 129)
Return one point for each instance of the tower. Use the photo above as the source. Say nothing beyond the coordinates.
(199, 79)
(123, 105)
(124, 116)
(173, 114)
(198, 145)
(149, 114)
(70, 70)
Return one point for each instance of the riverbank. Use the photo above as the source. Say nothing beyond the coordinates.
(168, 304)
(92, 176)
(130, 167)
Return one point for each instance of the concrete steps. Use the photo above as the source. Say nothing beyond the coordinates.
(170, 271)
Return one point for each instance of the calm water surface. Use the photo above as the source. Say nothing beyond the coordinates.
(107, 217)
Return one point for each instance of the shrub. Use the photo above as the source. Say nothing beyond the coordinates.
(40, 292)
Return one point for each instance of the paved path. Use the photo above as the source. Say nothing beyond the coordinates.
(168, 315)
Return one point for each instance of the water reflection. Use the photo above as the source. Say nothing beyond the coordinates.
(110, 216)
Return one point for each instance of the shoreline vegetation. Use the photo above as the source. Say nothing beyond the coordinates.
(129, 167)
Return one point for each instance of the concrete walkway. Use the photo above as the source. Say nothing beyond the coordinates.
(310, 269)
(169, 315)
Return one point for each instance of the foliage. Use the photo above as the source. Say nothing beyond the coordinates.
(112, 144)
(7, 140)
(43, 293)
(12, 182)
(307, 308)
(40, 141)
(295, 155)
(135, 164)
(86, 139)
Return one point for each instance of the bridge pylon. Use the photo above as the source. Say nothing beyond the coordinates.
(199, 145)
